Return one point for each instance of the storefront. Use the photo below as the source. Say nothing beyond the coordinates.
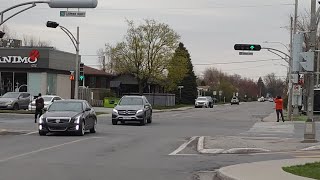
(36, 70)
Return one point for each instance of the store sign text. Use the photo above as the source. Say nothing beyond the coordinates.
(18, 60)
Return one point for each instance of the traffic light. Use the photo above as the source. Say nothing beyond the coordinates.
(247, 47)
(2, 34)
(81, 72)
(71, 76)
(52, 24)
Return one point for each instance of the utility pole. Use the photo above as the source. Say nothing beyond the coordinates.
(290, 72)
(309, 134)
(295, 107)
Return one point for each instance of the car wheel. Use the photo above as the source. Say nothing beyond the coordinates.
(81, 130)
(42, 133)
(114, 122)
(150, 119)
(143, 121)
(16, 106)
(93, 129)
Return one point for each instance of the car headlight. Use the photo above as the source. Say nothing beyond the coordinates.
(115, 111)
(9, 102)
(41, 120)
(139, 111)
(77, 120)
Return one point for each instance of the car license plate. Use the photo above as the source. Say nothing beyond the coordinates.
(127, 118)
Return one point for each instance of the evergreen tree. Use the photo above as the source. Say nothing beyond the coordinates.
(189, 91)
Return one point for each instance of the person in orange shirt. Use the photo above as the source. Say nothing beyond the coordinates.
(279, 106)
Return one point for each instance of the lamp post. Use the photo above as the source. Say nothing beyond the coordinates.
(76, 44)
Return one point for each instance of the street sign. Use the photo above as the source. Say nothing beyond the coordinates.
(214, 93)
(296, 90)
(220, 93)
(72, 14)
(180, 87)
(245, 53)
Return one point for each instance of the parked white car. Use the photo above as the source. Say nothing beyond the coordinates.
(202, 102)
(48, 100)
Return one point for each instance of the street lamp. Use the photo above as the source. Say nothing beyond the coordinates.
(76, 43)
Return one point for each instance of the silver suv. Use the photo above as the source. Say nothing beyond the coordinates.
(132, 108)
(15, 100)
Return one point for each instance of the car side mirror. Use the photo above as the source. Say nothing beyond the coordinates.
(88, 109)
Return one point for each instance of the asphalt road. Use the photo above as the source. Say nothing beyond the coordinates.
(127, 151)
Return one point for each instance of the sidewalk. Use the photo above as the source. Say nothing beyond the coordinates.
(263, 170)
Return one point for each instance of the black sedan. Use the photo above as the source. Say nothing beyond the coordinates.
(132, 108)
(68, 116)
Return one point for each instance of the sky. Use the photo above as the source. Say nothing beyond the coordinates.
(208, 28)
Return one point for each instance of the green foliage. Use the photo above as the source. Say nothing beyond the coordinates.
(145, 52)
(189, 92)
(177, 68)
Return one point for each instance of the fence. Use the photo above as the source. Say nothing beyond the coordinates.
(87, 94)
(159, 99)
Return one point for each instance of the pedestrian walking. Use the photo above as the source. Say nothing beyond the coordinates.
(279, 106)
(39, 107)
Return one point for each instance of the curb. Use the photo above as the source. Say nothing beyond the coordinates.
(202, 150)
(223, 176)
(312, 148)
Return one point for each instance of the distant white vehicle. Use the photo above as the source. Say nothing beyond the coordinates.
(48, 100)
(261, 99)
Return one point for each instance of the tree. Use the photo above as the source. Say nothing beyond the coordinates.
(189, 82)
(177, 68)
(275, 86)
(32, 41)
(145, 52)
(261, 87)
(104, 58)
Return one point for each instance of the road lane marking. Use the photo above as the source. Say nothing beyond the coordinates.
(44, 149)
(34, 132)
(184, 145)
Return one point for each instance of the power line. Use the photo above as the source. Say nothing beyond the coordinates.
(234, 62)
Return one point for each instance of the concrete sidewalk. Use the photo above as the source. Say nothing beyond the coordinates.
(263, 170)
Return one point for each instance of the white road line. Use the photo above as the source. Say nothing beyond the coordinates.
(44, 149)
(34, 132)
(184, 145)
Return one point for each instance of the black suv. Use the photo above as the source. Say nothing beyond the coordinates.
(132, 108)
(68, 116)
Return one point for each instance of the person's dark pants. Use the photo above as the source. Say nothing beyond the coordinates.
(38, 112)
(279, 111)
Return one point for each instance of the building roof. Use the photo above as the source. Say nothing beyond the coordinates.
(92, 71)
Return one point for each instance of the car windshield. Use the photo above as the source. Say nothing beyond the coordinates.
(66, 106)
(47, 98)
(131, 101)
(11, 95)
(202, 99)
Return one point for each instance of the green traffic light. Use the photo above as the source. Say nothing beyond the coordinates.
(81, 78)
(251, 47)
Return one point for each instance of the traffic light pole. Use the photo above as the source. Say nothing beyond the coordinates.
(76, 44)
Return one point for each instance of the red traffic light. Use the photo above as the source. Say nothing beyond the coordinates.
(247, 47)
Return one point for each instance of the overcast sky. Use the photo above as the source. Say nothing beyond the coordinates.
(208, 28)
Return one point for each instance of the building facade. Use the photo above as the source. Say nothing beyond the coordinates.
(36, 70)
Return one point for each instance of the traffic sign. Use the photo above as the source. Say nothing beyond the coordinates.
(245, 53)
(296, 90)
(72, 14)
(214, 93)
(248, 47)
